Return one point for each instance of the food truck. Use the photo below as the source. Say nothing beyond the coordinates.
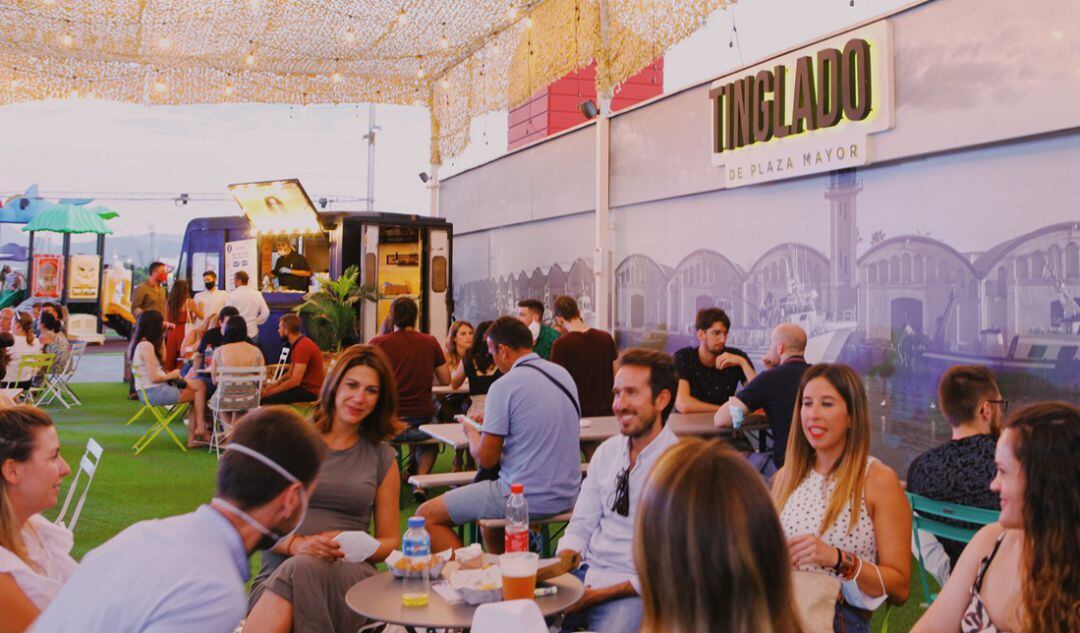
(402, 255)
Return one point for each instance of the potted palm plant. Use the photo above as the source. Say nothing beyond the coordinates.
(332, 311)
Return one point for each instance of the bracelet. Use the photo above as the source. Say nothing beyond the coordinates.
(839, 559)
(849, 565)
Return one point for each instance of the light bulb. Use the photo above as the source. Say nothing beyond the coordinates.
(74, 94)
(350, 36)
(228, 90)
(513, 13)
(528, 22)
(336, 77)
(420, 74)
(402, 18)
(165, 42)
(15, 83)
(250, 59)
(160, 86)
(444, 43)
(445, 83)
(66, 39)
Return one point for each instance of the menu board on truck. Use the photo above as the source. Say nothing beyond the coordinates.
(241, 255)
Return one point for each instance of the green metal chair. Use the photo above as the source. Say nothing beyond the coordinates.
(30, 368)
(163, 416)
(927, 514)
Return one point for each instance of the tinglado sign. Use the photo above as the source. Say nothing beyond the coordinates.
(808, 111)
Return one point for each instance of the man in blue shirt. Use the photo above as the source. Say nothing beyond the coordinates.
(187, 573)
(531, 431)
(774, 390)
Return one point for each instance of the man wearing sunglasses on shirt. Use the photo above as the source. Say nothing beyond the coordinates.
(602, 527)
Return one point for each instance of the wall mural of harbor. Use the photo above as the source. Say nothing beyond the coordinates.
(898, 305)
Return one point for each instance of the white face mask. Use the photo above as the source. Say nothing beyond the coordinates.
(534, 328)
(271, 538)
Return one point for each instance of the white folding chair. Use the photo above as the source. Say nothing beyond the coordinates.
(88, 465)
(29, 368)
(56, 385)
(281, 366)
(238, 389)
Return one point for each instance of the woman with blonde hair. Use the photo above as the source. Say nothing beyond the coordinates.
(22, 329)
(708, 546)
(843, 511)
(302, 583)
(1023, 572)
(34, 554)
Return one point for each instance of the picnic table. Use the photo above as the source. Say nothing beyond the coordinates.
(446, 390)
(598, 429)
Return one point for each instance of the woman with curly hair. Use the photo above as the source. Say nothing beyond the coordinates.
(1023, 572)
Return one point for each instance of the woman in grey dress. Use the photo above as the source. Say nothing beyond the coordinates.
(302, 583)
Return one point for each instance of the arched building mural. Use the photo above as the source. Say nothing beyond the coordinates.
(913, 284)
(703, 279)
(640, 297)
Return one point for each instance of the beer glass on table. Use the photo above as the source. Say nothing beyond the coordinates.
(518, 575)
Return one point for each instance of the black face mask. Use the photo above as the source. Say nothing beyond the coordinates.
(209, 285)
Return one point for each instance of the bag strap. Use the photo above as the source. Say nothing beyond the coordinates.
(573, 400)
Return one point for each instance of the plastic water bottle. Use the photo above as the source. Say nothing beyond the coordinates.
(416, 545)
(737, 416)
(517, 520)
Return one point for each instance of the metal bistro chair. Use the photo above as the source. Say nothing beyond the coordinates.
(30, 366)
(163, 417)
(278, 370)
(88, 464)
(927, 514)
(238, 389)
(56, 385)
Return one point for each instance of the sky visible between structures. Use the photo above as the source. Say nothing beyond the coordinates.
(137, 159)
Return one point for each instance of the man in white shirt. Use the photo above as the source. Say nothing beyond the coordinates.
(249, 302)
(602, 527)
(187, 573)
(211, 300)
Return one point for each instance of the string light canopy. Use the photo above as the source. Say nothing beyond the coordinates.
(459, 58)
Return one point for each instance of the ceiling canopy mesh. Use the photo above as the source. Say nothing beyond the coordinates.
(461, 58)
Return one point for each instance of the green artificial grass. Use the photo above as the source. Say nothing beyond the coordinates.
(165, 481)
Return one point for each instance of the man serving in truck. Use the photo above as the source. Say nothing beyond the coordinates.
(292, 269)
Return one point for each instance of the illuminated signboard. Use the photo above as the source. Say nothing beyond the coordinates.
(807, 111)
(277, 207)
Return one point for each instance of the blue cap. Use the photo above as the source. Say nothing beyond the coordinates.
(416, 522)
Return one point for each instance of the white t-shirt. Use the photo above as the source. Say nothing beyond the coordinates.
(49, 546)
(210, 302)
(17, 351)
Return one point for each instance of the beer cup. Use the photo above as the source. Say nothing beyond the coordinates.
(518, 575)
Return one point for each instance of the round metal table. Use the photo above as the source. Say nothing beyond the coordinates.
(379, 598)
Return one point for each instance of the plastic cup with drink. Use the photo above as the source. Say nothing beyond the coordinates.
(518, 575)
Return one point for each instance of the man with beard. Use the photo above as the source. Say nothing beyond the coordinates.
(710, 373)
(602, 527)
(304, 377)
(187, 573)
(960, 471)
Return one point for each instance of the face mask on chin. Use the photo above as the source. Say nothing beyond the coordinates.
(209, 285)
(269, 538)
(534, 329)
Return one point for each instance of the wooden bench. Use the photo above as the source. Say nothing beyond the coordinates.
(452, 480)
(543, 526)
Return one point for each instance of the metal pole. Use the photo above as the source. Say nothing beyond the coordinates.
(602, 255)
(371, 157)
(433, 188)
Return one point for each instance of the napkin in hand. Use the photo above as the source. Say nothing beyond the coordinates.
(357, 546)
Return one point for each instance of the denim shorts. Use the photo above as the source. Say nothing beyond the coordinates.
(163, 394)
(480, 500)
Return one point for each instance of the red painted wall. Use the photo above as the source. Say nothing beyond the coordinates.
(555, 108)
